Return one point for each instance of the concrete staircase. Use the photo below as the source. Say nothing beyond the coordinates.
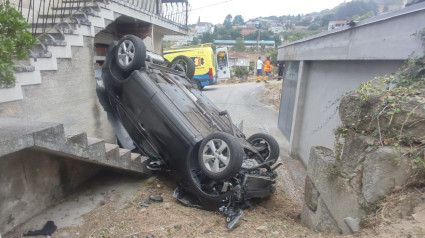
(55, 44)
(18, 134)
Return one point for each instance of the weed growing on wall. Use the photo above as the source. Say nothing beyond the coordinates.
(388, 107)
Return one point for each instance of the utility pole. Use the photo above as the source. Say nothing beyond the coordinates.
(258, 37)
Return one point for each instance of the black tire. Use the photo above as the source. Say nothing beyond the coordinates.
(130, 53)
(185, 64)
(211, 159)
(197, 84)
(266, 145)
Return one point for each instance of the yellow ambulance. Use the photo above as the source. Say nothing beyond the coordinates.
(205, 64)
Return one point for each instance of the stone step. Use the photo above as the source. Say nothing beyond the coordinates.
(19, 134)
(61, 52)
(51, 138)
(125, 154)
(77, 139)
(74, 39)
(95, 149)
(112, 151)
(45, 63)
(84, 30)
(11, 94)
(28, 78)
(125, 158)
(135, 157)
(97, 21)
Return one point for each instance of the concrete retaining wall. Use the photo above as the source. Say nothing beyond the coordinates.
(33, 180)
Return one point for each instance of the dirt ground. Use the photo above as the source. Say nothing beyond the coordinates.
(276, 217)
(401, 214)
(120, 214)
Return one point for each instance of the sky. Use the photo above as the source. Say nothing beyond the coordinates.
(214, 11)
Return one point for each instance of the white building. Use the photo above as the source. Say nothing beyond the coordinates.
(238, 60)
(204, 27)
(336, 24)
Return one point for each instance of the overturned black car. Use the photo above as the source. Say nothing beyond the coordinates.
(156, 110)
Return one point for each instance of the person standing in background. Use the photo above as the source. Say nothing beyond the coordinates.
(259, 69)
(267, 69)
(281, 67)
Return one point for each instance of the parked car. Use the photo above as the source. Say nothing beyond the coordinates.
(159, 112)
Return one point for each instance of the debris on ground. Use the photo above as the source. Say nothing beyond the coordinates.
(48, 229)
(271, 95)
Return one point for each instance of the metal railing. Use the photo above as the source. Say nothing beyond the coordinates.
(42, 14)
(173, 11)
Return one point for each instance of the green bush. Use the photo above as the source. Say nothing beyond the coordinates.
(241, 72)
(15, 41)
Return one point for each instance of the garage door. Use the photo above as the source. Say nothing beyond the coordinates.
(287, 103)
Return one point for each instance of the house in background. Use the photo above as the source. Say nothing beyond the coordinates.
(336, 24)
(321, 68)
(238, 60)
(203, 27)
(247, 30)
(277, 28)
(179, 40)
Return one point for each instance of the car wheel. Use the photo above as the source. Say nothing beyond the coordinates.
(183, 63)
(266, 145)
(220, 156)
(130, 54)
(197, 84)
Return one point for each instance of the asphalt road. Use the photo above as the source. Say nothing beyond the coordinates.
(243, 103)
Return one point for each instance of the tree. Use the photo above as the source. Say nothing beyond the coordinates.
(348, 10)
(238, 20)
(313, 27)
(195, 41)
(207, 38)
(289, 25)
(365, 16)
(235, 33)
(273, 57)
(223, 34)
(228, 21)
(239, 44)
(15, 41)
(326, 18)
(305, 22)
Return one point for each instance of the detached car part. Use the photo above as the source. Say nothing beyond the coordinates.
(157, 111)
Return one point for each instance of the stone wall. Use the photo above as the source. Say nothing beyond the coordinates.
(342, 188)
